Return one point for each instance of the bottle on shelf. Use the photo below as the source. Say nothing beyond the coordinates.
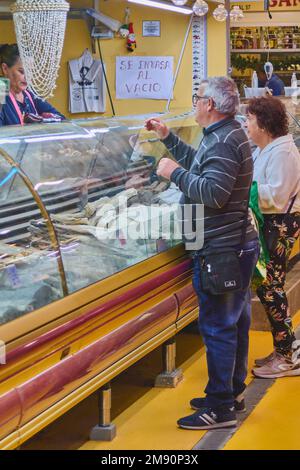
(294, 82)
(264, 40)
(255, 39)
(271, 43)
(249, 39)
(286, 41)
(294, 41)
(280, 38)
(238, 41)
(254, 80)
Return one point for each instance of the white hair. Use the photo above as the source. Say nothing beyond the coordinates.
(224, 92)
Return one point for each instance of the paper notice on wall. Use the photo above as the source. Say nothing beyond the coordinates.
(148, 77)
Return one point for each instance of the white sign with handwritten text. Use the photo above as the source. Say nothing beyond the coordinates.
(148, 77)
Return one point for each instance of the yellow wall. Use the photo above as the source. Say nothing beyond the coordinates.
(216, 45)
(173, 29)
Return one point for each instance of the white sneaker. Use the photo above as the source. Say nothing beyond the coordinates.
(296, 350)
(279, 366)
(262, 361)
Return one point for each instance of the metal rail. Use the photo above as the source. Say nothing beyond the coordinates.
(45, 215)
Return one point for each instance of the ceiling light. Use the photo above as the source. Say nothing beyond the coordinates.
(220, 13)
(163, 6)
(236, 14)
(179, 3)
(200, 8)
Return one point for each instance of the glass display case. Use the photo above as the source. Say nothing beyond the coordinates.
(80, 202)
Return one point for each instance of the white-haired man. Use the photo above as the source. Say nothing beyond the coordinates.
(218, 175)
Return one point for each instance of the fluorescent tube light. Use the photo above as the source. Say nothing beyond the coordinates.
(163, 6)
(109, 22)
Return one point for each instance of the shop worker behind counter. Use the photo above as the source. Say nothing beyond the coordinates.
(274, 83)
(21, 106)
(218, 175)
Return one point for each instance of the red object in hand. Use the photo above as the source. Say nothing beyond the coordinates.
(51, 117)
(47, 115)
(149, 125)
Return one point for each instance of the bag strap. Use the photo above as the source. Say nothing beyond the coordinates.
(17, 109)
(245, 223)
(244, 228)
(291, 204)
(31, 100)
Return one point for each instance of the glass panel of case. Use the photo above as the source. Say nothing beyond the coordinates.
(30, 275)
(97, 179)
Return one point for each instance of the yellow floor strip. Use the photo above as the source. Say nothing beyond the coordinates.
(274, 423)
(150, 423)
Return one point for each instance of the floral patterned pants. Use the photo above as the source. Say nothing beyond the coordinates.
(271, 293)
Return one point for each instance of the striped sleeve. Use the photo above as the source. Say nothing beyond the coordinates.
(219, 171)
(183, 153)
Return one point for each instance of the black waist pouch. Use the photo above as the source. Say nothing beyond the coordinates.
(271, 235)
(220, 272)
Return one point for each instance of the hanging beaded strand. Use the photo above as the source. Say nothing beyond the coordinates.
(40, 29)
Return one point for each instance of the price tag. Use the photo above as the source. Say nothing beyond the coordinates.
(13, 276)
(4, 89)
(121, 237)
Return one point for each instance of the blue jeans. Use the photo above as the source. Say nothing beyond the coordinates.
(224, 322)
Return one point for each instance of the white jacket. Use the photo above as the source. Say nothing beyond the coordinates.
(86, 84)
(277, 172)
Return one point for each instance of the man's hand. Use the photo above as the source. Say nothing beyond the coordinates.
(156, 125)
(166, 167)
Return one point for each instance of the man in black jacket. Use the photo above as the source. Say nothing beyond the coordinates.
(218, 175)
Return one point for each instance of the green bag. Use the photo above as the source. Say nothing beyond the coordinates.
(260, 273)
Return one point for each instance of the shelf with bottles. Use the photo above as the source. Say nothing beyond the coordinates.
(264, 38)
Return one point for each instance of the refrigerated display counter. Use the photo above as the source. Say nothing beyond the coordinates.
(93, 274)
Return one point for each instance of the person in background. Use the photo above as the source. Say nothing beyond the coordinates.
(277, 172)
(274, 83)
(218, 176)
(21, 105)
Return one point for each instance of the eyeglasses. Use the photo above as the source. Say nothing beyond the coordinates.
(196, 98)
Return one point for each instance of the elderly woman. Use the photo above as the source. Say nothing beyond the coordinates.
(21, 105)
(277, 172)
